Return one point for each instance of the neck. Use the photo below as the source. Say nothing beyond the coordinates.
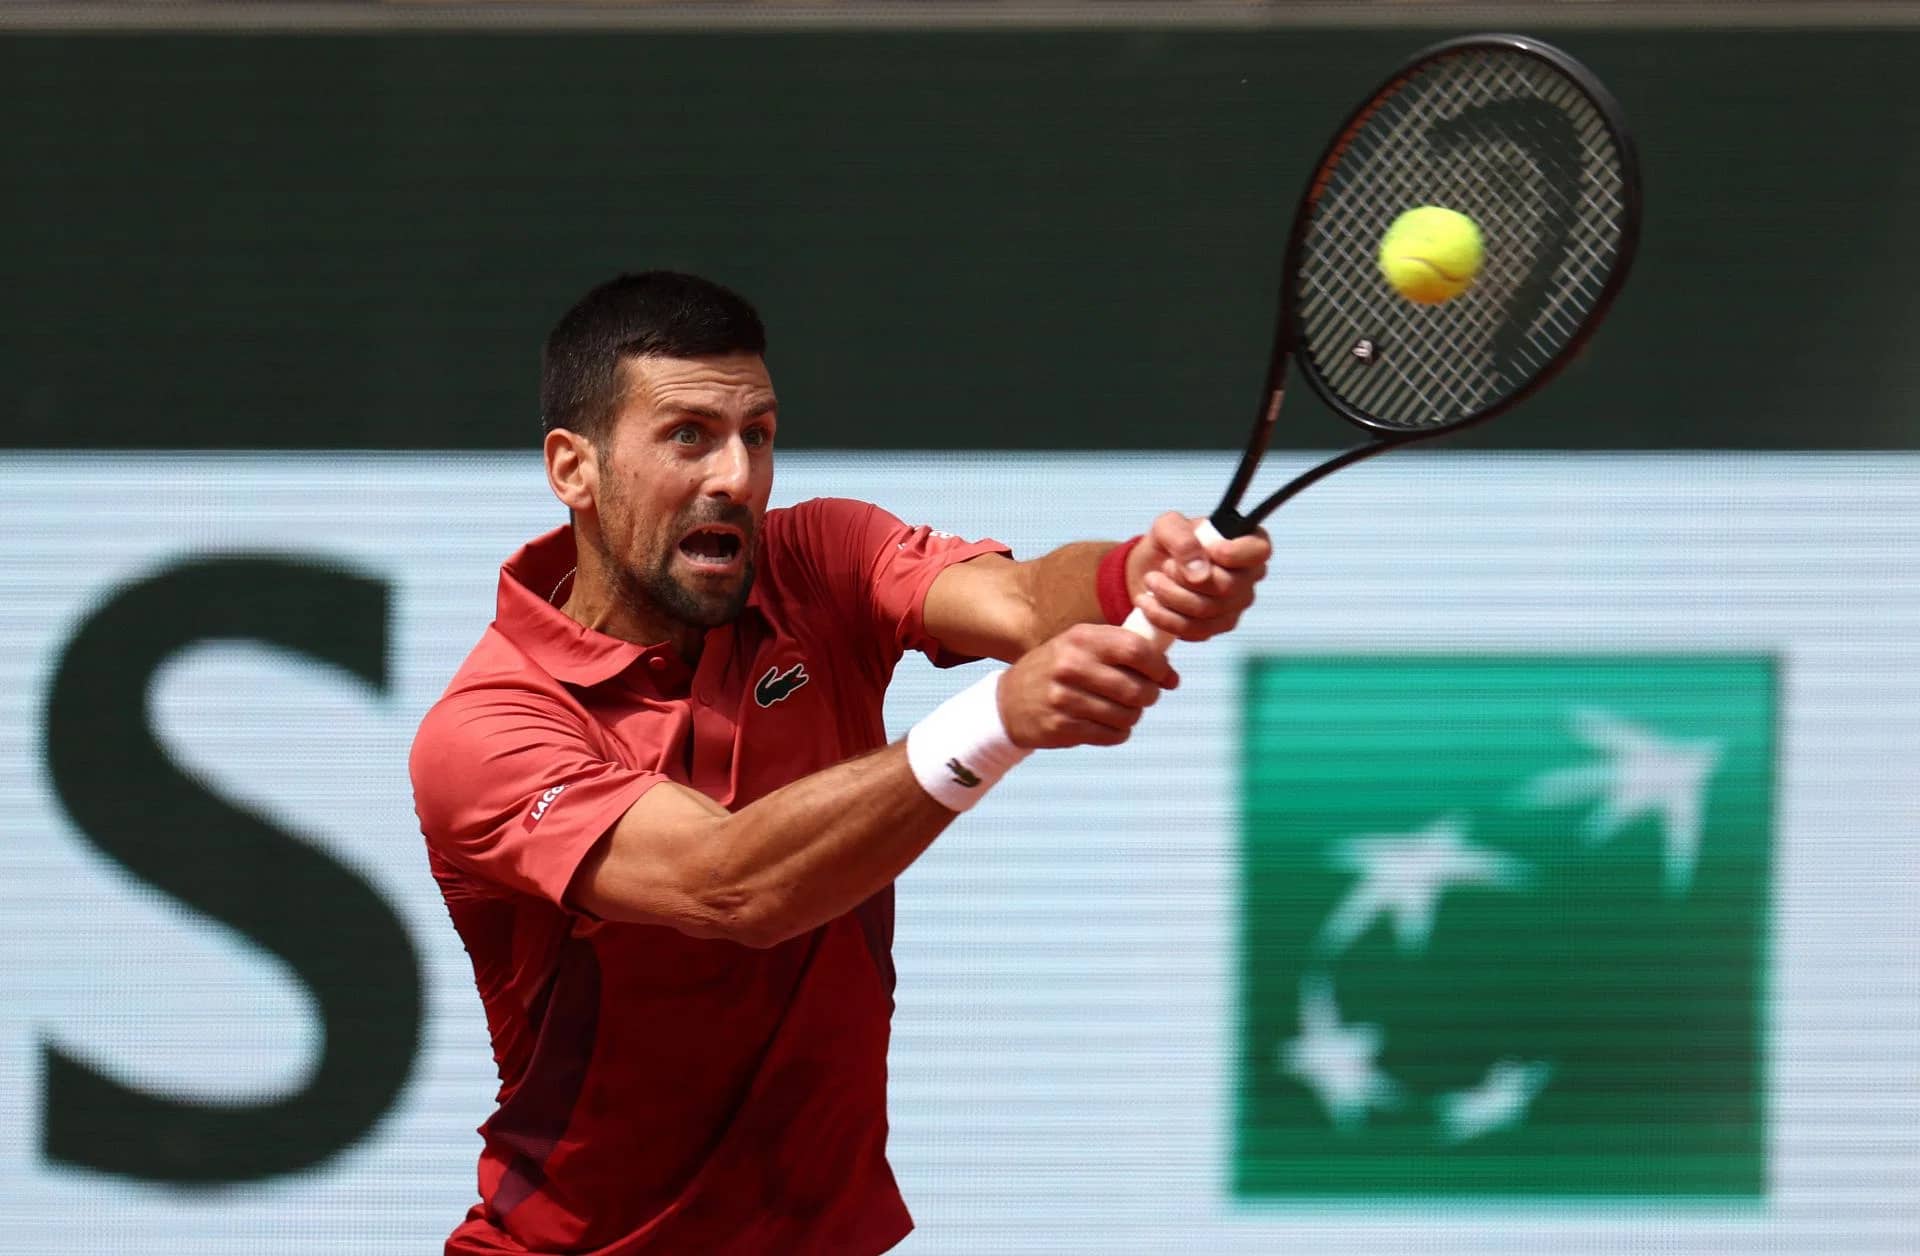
(598, 601)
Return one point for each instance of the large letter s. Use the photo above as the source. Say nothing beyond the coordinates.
(136, 807)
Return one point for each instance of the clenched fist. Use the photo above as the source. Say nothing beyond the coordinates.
(1085, 687)
(1192, 591)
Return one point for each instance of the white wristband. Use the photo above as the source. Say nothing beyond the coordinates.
(961, 750)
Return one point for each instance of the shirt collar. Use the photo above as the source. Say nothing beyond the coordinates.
(569, 651)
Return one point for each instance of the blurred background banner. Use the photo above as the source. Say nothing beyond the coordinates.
(1538, 874)
(1533, 872)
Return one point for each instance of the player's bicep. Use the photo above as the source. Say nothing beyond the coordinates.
(657, 865)
(981, 607)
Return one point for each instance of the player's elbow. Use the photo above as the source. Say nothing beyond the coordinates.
(710, 912)
(732, 915)
(757, 918)
(672, 860)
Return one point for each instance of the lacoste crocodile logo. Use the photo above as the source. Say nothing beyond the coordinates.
(963, 776)
(777, 685)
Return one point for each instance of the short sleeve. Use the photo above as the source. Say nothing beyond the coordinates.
(511, 789)
(873, 560)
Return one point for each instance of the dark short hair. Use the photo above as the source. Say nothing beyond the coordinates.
(656, 313)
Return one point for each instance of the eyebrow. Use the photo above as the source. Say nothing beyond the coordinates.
(691, 410)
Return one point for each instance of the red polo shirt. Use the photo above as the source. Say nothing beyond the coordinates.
(662, 1093)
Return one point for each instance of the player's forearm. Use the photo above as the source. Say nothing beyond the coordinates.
(818, 848)
(1060, 589)
(993, 607)
(815, 849)
(786, 863)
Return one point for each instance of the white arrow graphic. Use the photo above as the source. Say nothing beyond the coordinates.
(1403, 875)
(1639, 774)
(1499, 1101)
(1336, 1061)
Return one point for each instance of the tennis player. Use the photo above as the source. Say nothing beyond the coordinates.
(659, 800)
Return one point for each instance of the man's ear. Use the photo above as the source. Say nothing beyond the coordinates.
(573, 468)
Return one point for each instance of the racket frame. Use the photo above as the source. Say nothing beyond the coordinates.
(1228, 518)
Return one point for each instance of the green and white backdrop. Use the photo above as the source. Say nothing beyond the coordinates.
(1533, 871)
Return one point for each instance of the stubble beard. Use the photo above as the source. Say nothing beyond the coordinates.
(654, 588)
(694, 607)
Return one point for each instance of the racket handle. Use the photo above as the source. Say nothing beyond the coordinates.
(1136, 621)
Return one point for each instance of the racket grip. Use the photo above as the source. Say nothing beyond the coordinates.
(1136, 621)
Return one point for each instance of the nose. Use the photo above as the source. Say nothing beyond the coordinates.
(730, 473)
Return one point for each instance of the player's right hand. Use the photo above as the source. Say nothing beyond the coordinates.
(1085, 687)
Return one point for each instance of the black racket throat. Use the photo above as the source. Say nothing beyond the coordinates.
(1229, 520)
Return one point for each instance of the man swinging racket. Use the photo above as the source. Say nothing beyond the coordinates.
(660, 803)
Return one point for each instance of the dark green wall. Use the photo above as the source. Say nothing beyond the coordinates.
(1011, 239)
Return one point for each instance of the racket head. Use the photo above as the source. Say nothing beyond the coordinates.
(1528, 143)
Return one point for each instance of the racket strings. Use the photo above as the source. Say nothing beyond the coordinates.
(1495, 178)
(1519, 147)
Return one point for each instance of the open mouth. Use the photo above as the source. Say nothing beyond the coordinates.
(717, 546)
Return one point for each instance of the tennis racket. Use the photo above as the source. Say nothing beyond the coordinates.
(1519, 137)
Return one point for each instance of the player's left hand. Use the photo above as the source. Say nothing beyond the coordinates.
(1190, 590)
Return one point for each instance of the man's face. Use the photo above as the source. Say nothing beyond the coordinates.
(685, 473)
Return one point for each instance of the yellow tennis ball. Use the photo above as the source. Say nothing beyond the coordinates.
(1430, 254)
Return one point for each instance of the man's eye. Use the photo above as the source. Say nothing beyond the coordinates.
(757, 436)
(687, 435)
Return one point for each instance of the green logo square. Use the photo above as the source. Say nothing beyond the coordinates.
(1503, 926)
